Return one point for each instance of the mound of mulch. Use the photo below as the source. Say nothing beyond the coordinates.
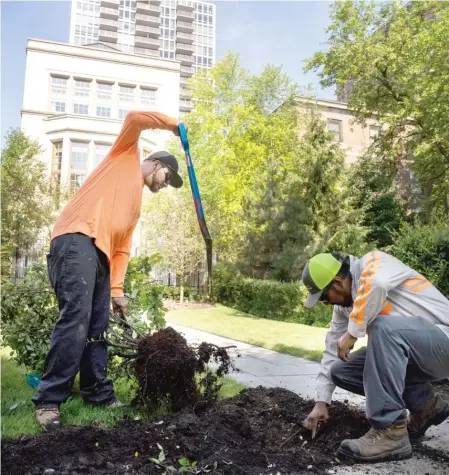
(170, 371)
(256, 432)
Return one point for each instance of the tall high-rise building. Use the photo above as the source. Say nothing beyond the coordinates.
(181, 30)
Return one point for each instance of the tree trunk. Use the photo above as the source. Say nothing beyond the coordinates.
(181, 292)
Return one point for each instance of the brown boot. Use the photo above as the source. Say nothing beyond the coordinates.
(48, 418)
(435, 412)
(379, 445)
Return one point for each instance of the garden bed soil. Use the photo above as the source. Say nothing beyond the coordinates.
(256, 432)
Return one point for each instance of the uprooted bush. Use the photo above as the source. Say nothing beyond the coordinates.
(267, 298)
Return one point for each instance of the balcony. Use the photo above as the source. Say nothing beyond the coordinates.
(106, 24)
(185, 93)
(151, 43)
(184, 5)
(187, 71)
(184, 26)
(183, 82)
(183, 15)
(110, 3)
(110, 13)
(184, 38)
(185, 106)
(142, 7)
(147, 20)
(155, 2)
(108, 36)
(148, 31)
(184, 48)
(186, 60)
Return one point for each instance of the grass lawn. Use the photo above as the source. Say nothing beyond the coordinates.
(17, 410)
(291, 338)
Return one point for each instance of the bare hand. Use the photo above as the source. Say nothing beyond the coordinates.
(345, 345)
(318, 415)
(176, 129)
(120, 306)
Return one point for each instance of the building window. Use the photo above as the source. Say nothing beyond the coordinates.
(58, 93)
(374, 131)
(147, 97)
(122, 113)
(58, 106)
(103, 111)
(101, 150)
(57, 161)
(334, 127)
(79, 156)
(76, 180)
(81, 100)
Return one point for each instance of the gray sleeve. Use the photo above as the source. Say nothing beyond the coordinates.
(325, 386)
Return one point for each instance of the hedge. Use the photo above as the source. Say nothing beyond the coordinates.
(267, 298)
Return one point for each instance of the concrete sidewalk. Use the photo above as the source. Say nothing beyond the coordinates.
(261, 367)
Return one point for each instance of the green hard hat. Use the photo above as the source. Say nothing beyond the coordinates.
(318, 274)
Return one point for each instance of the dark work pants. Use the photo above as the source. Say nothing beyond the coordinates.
(79, 274)
(404, 354)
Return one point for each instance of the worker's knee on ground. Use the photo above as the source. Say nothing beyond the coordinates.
(337, 372)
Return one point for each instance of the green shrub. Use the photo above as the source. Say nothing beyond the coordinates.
(267, 298)
(425, 248)
(30, 310)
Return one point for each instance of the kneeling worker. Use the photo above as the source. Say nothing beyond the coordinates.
(407, 322)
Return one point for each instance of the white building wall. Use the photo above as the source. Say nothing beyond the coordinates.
(46, 60)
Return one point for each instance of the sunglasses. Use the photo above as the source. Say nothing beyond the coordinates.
(168, 174)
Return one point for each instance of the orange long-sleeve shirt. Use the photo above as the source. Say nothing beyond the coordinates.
(107, 206)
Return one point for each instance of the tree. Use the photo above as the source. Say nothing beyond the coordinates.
(392, 61)
(373, 189)
(171, 229)
(27, 202)
(230, 138)
(300, 207)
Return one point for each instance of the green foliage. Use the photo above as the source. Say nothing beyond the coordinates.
(373, 191)
(29, 312)
(144, 296)
(173, 292)
(425, 248)
(391, 60)
(171, 229)
(231, 133)
(299, 207)
(266, 298)
(27, 198)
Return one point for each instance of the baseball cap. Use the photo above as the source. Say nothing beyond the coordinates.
(170, 162)
(318, 274)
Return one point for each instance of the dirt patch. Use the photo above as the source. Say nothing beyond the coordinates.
(442, 387)
(256, 432)
(172, 372)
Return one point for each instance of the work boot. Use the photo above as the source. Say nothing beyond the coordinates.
(48, 418)
(435, 412)
(379, 445)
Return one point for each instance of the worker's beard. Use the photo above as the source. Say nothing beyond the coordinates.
(348, 302)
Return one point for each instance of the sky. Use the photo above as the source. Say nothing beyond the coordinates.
(277, 32)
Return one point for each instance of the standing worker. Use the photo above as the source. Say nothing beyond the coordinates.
(89, 254)
(407, 322)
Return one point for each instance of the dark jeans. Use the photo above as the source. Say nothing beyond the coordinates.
(404, 355)
(79, 274)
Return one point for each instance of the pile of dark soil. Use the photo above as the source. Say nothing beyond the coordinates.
(257, 432)
(172, 372)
